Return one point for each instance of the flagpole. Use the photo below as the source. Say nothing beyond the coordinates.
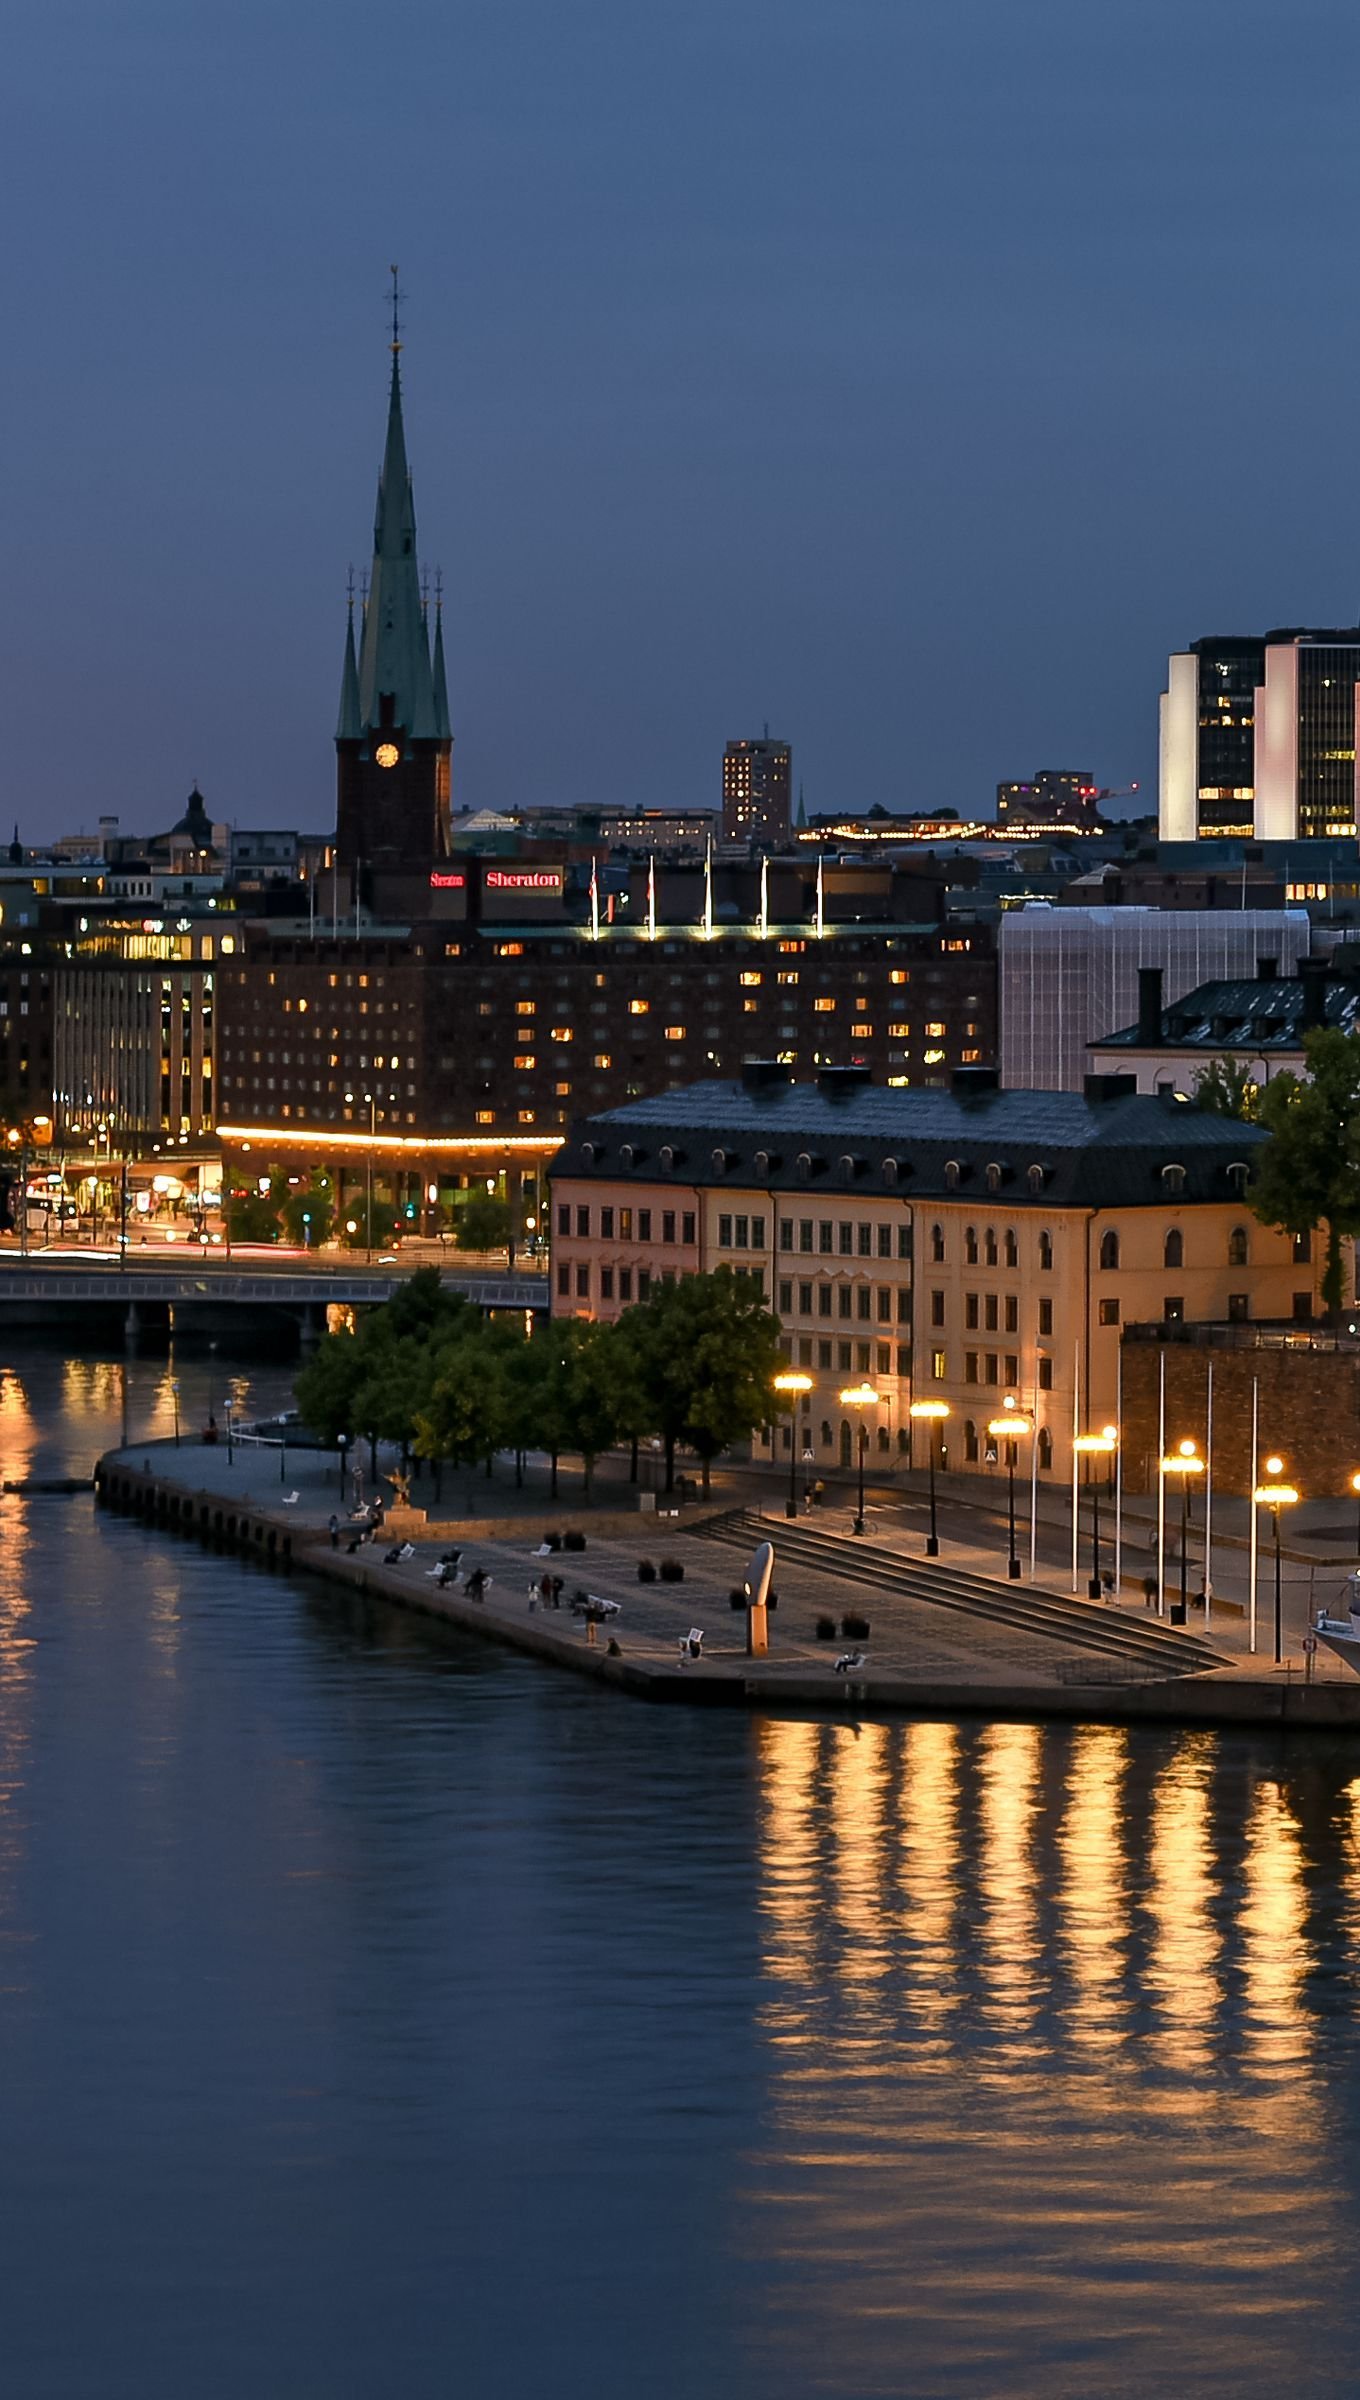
(1119, 1469)
(1251, 1503)
(1076, 1429)
(1161, 1484)
(1208, 1496)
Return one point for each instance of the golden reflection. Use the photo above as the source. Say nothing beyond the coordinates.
(858, 1794)
(1093, 1896)
(1009, 1941)
(787, 1759)
(1275, 1950)
(1183, 1878)
(928, 1873)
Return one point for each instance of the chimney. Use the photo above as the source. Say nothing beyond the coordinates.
(1100, 1088)
(967, 1083)
(1149, 1008)
(1313, 973)
(1267, 969)
(757, 1074)
(837, 1083)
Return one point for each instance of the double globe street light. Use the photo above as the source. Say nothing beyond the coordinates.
(1091, 1447)
(1010, 1427)
(860, 1396)
(1275, 1495)
(1182, 1465)
(794, 1386)
(931, 1414)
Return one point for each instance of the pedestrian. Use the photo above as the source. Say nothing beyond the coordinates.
(545, 1590)
(334, 1530)
(1149, 1591)
(556, 1582)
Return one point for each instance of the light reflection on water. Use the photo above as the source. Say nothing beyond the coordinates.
(380, 2013)
(1072, 2127)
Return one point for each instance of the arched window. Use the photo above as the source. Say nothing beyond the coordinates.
(804, 1165)
(847, 1442)
(1173, 1181)
(970, 1441)
(952, 1173)
(1238, 1174)
(1173, 1249)
(884, 1438)
(989, 1245)
(903, 1439)
(667, 1155)
(889, 1170)
(993, 1177)
(720, 1162)
(937, 1244)
(1034, 1177)
(1237, 1246)
(1046, 1252)
(970, 1248)
(762, 1162)
(1109, 1250)
(1045, 1450)
(826, 1433)
(1012, 1247)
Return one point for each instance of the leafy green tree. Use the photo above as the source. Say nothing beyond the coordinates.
(1308, 1173)
(354, 1229)
(482, 1222)
(706, 1349)
(464, 1412)
(327, 1386)
(252, 1215)
(308, 1210)
(1227, 1088)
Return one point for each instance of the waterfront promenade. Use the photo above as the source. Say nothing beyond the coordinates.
(956, 1637)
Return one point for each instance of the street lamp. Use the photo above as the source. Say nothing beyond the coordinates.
(1184, 1462)
(860, 1396)
(1275, 1495)
(1093, 1446)
(212, 1378)
(930, 1413)
(795, 1385)
(1010, 1427)
(371, 1104)
(341, 1446)
(1355, 1487)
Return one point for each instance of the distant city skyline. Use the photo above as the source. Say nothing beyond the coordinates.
(858, 371)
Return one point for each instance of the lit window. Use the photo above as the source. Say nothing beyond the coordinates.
(562, 1033)
(823, 1008)
(601, 1059)
(486, 1116)
(899, 975)
(934, 1057)
(939, 1366)
(638, 1008)
(749, 978)
(675, 1033)
(935, 1029)
(524, 1008)
(899, 1030)
(859, 1004)
(562, 1091)
(526, 1116)
(788, 975)
(529, 1060)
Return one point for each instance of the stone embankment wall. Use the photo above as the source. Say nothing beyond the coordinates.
(1308, 1406)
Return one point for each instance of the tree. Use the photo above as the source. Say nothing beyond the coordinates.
(1308, 1173)
(1227, 1088)
(308, 1210)
(571, 1371)
(482, 1222)
(252, 1215)
(327, 1386)
(707, 1350)
(355, 1231)
(463, 1414)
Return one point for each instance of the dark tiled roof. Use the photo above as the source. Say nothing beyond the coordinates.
(1091, 1153)
(1251, 1013)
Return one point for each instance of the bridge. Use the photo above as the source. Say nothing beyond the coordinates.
(206, 1297)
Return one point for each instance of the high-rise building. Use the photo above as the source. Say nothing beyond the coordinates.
(1258, 736)
(392, 740)
(757, 787)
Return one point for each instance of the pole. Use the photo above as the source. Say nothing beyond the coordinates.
(1076, 1485)
(122, 1214)
(933, 1537)
(230, 1452)
(1208, 1494)
(1117, 1471)
(1012, 1563)
(1275, 1513)
(1093, 1587)
(791, 1504)
(1161, 1485)
(1185, 1540)
(373, 1135)
(1255, 1519)
(1034, 1482)
(863, 1446)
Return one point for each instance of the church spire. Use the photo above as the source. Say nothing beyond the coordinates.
(349, 727)
(394, 659)
(442, 725)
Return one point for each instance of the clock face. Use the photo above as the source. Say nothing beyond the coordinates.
(387, 754)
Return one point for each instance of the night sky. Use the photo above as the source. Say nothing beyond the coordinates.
(913, 374)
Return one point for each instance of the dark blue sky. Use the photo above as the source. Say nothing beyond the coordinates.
(911, 373)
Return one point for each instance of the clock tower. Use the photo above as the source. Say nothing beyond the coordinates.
(393, 742)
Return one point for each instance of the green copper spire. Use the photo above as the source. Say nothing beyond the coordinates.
(800, 821)
(350, 726)
(442, 725)
(395, 689)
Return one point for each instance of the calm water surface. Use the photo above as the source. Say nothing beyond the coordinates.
(380, 2015)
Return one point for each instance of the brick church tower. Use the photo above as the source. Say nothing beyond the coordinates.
(393, 742)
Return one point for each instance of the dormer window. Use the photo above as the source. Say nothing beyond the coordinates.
(720, 1162)
(588, 1153)
(995, 1177)
(630, 1153)
(1239, 1174)
(953, 1174)
(849, 1167)
(1173, 1181)
(1036, 1178)
(667, 1156)
(804, 1164)
(889, 1170)
(762, 1162)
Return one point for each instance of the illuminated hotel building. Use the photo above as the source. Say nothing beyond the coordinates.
(757, 788)
(1258, 737)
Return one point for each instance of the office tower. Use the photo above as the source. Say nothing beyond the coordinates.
(1055, 797)
(757, 783)
(1258, 736)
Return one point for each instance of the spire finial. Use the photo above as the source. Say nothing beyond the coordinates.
(349, 588)
(439, 591)
(397, 297)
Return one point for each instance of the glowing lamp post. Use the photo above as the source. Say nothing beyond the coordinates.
(860, 1396)
(1010, 1427)
(1092, 1447)
(1355, 1487)
(1275, 1495)
(931, 1414)
(1183, 1464)
(795, 1386)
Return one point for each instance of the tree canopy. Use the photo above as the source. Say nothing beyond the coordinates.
(1226, 1087)
(1308, 1173)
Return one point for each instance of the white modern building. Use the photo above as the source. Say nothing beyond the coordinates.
(1258, 737)
(1069, 976)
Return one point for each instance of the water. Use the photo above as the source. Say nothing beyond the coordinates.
(381, 2015)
